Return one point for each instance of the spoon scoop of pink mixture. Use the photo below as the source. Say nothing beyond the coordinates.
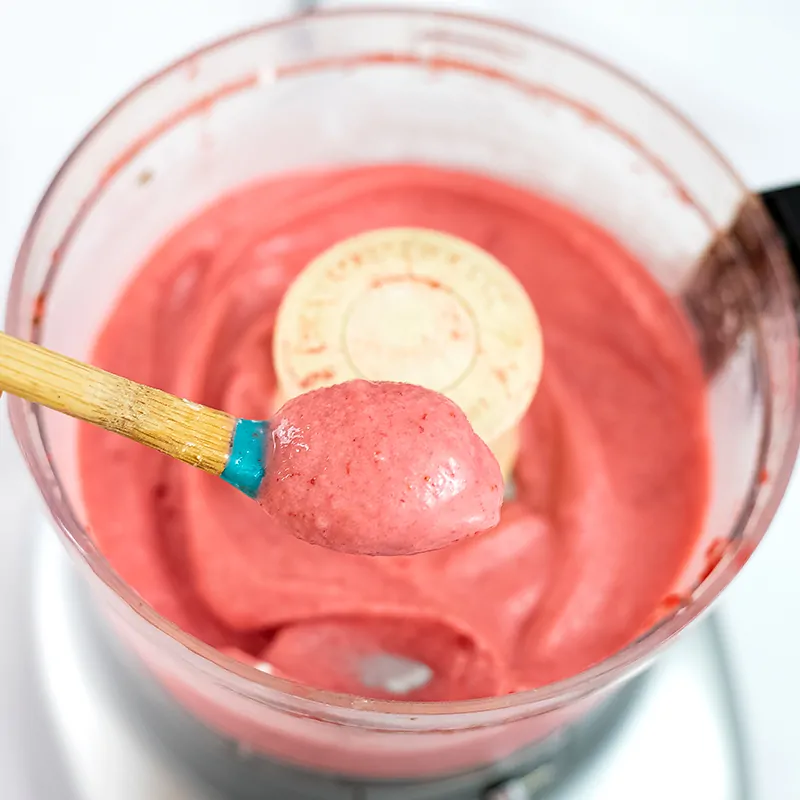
(360, 467)
(379, 468)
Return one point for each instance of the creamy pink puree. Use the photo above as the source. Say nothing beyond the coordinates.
(379, 468)
(612, 476)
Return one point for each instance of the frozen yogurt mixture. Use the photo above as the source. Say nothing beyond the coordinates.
(379, 468)
(611, 481)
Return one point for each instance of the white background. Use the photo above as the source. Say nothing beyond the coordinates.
(733, 66)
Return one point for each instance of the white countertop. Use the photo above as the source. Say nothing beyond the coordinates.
(730, 65)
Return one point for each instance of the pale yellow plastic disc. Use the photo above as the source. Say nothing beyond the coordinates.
(418, 306)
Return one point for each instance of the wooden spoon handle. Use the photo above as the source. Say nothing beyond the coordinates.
(192, 433)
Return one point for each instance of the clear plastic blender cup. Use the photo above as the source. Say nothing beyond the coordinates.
(376, 86)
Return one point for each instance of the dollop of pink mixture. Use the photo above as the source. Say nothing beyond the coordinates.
(611, 481)
(379, 468)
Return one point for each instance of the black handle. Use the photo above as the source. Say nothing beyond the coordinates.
(783, 206)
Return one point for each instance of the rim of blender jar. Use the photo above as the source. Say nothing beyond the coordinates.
(540, 699)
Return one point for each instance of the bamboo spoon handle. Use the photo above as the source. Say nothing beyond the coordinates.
(192, 433)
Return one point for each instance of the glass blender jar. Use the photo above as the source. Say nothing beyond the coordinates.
(371, 86)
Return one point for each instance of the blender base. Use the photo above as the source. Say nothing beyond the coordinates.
(672, 732)
(237, 774)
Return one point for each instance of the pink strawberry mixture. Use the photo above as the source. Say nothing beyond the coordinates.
(611, 480)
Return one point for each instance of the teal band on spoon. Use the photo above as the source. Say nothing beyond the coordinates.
(247, 463)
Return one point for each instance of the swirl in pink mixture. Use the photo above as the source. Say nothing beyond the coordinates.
(612, 477)
(379, 468)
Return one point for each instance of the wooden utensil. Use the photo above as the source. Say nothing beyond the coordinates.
(211, 440)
